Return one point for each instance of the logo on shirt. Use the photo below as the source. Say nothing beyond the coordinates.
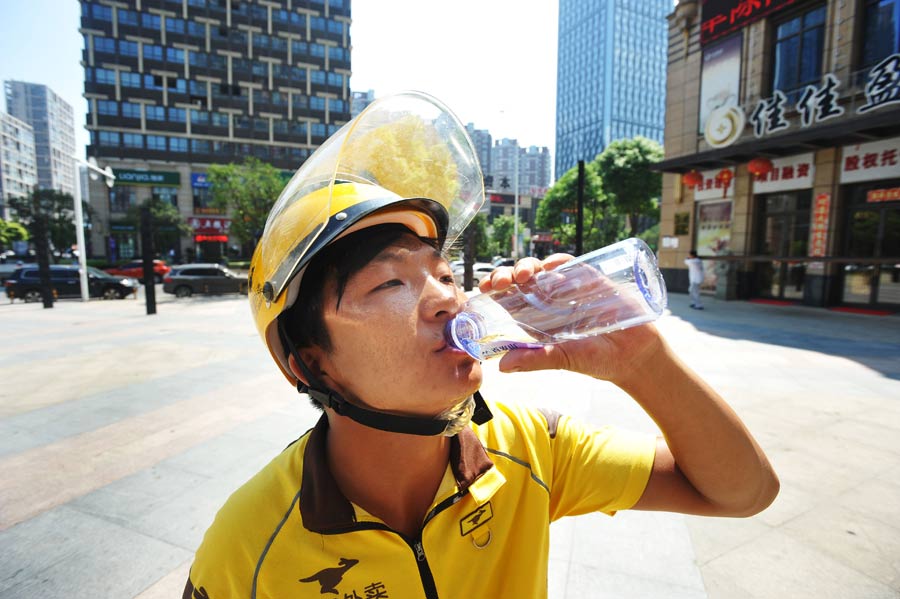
(329, 578)
(473, 520)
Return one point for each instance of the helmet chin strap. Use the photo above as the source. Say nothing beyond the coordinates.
(383, 421)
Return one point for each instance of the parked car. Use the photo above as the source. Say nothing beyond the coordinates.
(25, 283)
(501, 261)
(212, 279)
(479, 271)
(135, 269)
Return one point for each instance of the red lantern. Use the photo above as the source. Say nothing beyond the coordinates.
(760, 166)
(724, 177)
(693, 179)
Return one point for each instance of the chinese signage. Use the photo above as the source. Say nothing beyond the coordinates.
(883, 195)
(156, 178)
(787, 174)
(713, 237)
(714, 186)
(199, 181)
(871, 161)
(209, 226)
(818, 236)
(883, 87)
(720, 81)
(721, 17)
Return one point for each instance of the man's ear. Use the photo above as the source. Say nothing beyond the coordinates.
(311, 360)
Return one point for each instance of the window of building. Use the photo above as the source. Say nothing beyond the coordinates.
(177, 144)
(335, 79)
(102, 13)
(153, 82)
(260, 69)
(196, 29)
(168, 195)
(175, 55)
(104, 44)
(317, 103)
(279, 44)
(335, 27)
(317, 50)
(261, 40)
(198, 59)
(317, 77)
(155, 113)
(122, 197)
(108, 107)
(318, 129)
(299, 128)
(130, 110)
(174, 25)
(133, 140)
(177, 115)
(881, 38)
(317, 23)
(199, 117)
(799, 45)
(220, 119)
(150, 21)
(128, 17)
(109, 138)
(200, 146)
(153, 52)
(178, 85)
(261, 125)
(299, 48)
(130, 79)
(156, 142)
(127, 48)
(106, 76)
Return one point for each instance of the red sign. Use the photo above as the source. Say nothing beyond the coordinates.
(818, 236)
(206, 225)
(883, 195)
(721, 17)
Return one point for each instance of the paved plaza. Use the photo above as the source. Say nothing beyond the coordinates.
(121, 434)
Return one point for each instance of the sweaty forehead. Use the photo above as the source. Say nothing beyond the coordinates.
(404, 248)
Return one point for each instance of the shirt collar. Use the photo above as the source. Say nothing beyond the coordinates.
(324, 508)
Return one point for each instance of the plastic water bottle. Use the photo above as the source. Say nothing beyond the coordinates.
(606, 290)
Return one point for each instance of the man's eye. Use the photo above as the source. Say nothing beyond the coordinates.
(448, 279)
(387, 284)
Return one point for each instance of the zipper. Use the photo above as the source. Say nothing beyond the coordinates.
(424, 570)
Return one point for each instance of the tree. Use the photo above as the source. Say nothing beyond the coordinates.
(624, 167)
(11, 231)
(57, 208)
(502, 233)
(558, 211)
(249, 191)
(167, 224)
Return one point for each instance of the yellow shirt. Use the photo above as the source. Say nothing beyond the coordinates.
(289, 532)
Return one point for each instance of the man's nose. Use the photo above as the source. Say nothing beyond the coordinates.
(441, 300)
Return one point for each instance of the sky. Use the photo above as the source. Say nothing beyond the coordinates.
(492, 62)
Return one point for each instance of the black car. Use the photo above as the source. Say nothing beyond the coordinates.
(212, 279)
(25, 283)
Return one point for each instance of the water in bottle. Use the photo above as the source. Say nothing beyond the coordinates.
(609, 289)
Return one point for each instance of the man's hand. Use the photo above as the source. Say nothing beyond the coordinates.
(613, 356)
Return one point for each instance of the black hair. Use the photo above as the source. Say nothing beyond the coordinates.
(304, 321)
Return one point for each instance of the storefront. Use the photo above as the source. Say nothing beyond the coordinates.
(870, 188)
(210, 235)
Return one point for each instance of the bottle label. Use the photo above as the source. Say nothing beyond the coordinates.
(489, 348)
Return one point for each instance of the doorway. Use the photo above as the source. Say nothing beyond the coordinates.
(783, 234)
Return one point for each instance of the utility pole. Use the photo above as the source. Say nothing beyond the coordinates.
(43, 252)
(147, 254)
(579, 218)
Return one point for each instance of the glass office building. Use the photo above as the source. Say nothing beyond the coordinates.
(611, 75)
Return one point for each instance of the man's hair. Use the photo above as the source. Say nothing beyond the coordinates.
(304, 321)
(693, 253)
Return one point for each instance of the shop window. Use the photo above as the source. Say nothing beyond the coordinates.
(168, 195)
(881, 36)
(203, 202)
(799, 49)
(121, 198)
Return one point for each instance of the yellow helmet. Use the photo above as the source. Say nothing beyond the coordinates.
(405, 159)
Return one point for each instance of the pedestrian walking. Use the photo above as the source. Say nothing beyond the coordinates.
(695, 278)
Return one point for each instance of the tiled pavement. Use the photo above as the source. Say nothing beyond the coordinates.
(121, 434)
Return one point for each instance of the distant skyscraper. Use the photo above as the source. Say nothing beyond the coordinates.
(611, 75)
(481, 139)
(51, 119)
(359, 101)
(18, 168)
(533, 167)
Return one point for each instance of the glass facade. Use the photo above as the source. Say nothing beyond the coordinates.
(611, 75)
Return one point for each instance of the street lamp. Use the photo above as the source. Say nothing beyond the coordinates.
(94, 172)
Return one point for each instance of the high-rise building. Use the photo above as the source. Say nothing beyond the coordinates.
(482, 140)
(18, 168)
(533, 167)
(359, 101)
(175, 86)
(611, 75)
(51, 119)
